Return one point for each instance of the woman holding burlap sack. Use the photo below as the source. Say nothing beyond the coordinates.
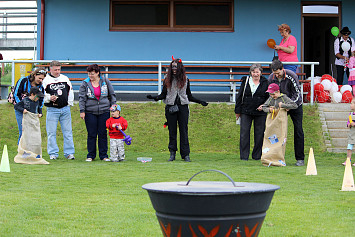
(252, 94)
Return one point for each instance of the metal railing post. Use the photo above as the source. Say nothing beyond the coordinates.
(13, 74)
(106, 70)
(159, 78)
(4, 35)
(233, 84)
(312, 82)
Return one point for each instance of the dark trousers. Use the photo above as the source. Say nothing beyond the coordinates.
(96, 127)
(340, 74)
(181, 118)
(259, 128)
(297, 117)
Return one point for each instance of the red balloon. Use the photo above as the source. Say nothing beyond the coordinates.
(347, 97)
(329, 98)
(329, 77)
(318, 87)
(307, 87)
(308, 97)
(322, 97)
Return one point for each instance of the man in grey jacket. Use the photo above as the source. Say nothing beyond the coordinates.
(288, 82)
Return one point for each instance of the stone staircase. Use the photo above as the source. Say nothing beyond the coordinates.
(335, 132)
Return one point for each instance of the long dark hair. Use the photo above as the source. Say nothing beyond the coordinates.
(180, 74)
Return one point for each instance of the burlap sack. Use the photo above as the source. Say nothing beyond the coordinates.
(30, 149)
(275, 136)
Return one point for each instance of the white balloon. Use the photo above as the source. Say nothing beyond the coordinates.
(345, 46)
(336, 97)
(316, 80)
(346, 88)
(334, 88)
(327, 84)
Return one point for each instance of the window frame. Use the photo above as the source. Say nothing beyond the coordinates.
(172, 27)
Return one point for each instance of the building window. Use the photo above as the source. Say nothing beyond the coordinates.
(173, 15)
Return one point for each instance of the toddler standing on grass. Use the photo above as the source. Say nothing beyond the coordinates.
(114, 125)
(351, 133)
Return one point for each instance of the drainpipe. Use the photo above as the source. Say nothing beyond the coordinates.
(42, 30)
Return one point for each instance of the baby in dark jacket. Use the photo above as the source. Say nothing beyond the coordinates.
(31, 103)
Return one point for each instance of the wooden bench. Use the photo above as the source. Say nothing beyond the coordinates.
(204, 76)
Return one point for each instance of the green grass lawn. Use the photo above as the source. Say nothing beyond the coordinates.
(6, 79)
(78, 198)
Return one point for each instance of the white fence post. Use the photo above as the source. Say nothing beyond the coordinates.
(159, 78)
(312, 83)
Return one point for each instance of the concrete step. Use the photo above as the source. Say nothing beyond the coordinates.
(331, 107)
(336, 124)
(338, 133)
(336, 115)
(334, 118)
(337, 150)
(339, 142)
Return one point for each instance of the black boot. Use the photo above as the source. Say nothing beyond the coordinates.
(172, 155)
(187, 158)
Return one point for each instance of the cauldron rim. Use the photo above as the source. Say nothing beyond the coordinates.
(209, 188)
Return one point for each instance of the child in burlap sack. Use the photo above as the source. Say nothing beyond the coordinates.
(29, 147)
(274, 145)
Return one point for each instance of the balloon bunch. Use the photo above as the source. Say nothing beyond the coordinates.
(326, 89)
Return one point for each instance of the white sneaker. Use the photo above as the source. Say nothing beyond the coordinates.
(88, 159)
(53, 157)
(70, 157)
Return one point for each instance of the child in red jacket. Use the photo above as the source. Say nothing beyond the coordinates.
(114, 125)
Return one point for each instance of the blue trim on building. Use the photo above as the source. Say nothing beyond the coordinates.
(80, 30)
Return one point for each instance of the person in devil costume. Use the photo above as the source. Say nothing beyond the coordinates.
(176, 94)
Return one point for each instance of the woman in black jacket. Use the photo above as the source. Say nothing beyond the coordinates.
(252, 94)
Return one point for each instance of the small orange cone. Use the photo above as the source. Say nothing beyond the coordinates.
(348, 181)
(5, 166)
(311, 164)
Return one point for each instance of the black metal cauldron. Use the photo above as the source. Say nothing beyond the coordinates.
(210, 208)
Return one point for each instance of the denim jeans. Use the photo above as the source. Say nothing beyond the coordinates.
(291, 67)
(96, 127)
(62, 115)
(19, 117)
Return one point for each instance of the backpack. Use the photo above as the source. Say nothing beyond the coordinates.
(11, 96)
